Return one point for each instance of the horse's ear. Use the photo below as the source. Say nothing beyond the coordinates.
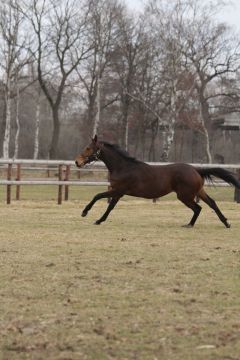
(95, 139)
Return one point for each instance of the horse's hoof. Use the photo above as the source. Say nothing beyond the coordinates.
(187, 226)
(228, 225)
(84, 213)
(97, 222)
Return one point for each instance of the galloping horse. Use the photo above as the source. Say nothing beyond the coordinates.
(129, 176)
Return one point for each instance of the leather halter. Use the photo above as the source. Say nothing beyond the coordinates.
(94, 157)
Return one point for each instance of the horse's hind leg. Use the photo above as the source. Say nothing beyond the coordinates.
(206, 198)
(190, 203)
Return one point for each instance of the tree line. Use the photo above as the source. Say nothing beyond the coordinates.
(70, 69)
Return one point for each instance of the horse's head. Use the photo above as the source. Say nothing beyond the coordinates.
(89, 154)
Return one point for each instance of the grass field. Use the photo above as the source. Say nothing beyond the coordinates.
(136, 287)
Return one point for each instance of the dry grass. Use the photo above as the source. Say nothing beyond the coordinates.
(137, 287)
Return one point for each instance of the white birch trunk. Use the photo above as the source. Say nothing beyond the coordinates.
(168, 140)
(6, 140)
(37, 126)
(98, 114)
(126, 134)
(169, 134)
(207, 144)
(206, 135)
(16, 149)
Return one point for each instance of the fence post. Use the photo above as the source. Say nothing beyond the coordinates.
(18, 177)
(67, 173)
(9, 177)
(237, 191)
(60, 186)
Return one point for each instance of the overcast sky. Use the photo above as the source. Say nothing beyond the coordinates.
(231, 14)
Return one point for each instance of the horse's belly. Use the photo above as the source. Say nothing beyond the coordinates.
(148, 184)
(149, 192)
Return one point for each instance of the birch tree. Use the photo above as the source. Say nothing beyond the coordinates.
(210, 54)
(9, 30)
(17, 99)
(14, 44)
(103, 35)
(60, 33)
(148, 93)
(125, 63)
(37, 124)
(186, 44)
(164, 21)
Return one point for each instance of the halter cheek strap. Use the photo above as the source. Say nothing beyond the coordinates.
(97, 154)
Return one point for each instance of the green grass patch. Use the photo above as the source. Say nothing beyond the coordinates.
(50, 192)
(136, 287)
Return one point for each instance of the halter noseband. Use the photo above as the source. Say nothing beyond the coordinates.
(94, 157)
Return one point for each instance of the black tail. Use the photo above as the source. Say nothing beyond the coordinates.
(223, 174)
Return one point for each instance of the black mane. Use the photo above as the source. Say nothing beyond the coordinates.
(120, 151)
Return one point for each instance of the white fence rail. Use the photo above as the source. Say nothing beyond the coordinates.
(99, 163)
(64, 168)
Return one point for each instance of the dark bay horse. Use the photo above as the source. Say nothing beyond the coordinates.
(129, 176)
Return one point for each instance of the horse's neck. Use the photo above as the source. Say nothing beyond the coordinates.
(113, 161)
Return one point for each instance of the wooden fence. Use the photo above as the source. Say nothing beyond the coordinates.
(65, 171)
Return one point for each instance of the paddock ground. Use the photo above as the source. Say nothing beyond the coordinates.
(136, 287)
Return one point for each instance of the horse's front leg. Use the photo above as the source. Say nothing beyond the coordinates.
(106, 194)
(111, 206)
